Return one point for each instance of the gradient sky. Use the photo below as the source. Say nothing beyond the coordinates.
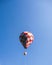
(21, 15)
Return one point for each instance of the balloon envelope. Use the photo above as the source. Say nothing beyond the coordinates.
(26, 38)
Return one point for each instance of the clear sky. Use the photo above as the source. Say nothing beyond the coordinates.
(21, 15)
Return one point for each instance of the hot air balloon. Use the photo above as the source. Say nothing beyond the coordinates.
(26, 38)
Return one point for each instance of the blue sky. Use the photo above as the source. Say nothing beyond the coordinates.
(21, 15)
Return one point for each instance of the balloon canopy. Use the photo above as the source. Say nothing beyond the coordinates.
(26, 38)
